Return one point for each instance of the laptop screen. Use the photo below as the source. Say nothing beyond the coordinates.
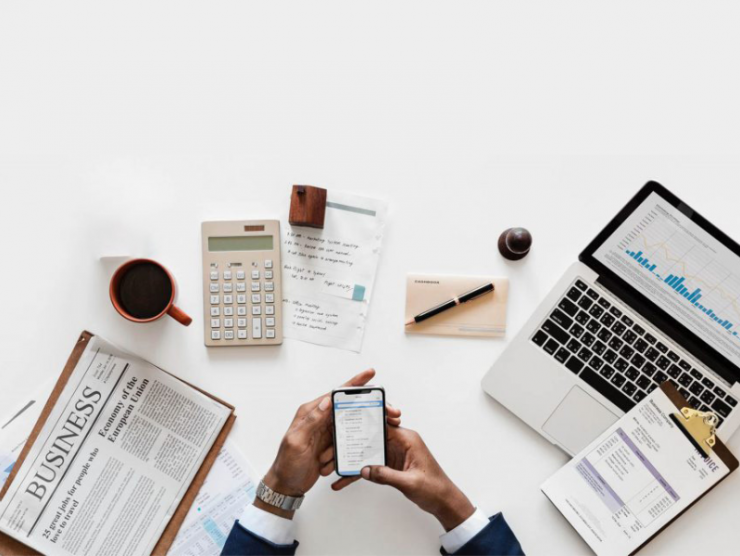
(660, 250)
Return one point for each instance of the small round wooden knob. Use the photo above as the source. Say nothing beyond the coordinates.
(514, 243)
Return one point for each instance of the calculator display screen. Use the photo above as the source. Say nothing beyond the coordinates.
(240, 243)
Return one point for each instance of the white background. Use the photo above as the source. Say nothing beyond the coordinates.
(123, 126)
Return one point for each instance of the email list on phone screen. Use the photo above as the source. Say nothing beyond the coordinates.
(359, 429)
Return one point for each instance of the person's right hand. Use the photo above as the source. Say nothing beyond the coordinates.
(413, 470)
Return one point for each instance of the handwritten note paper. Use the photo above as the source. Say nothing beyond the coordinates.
(328, 274)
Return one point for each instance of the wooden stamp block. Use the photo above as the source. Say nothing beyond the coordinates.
(307, 206)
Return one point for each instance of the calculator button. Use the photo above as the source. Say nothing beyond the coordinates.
(241, 311)
(241, 323)
(215, 299)
(240, 275)
(214, 274)
(228, 299)
(241, 287)
(257, 328)
(269, 286)
(215, 334)
(215, 323)
(269, 298)
(214, 288)
(228, 334)
(270, 321)
(255, 286)
(270, 333)
(256, 310)
(241, 299)
(268, 263)
(270, 310)
(255, 275)
(228, 311)
(256, 298)
(215, 311)
(227, 275)
(241, 334)
(228, 323)
(268, 274)
(228, 288)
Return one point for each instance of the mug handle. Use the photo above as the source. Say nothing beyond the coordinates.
(179, 315)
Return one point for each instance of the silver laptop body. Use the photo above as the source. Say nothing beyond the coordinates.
(629, 315)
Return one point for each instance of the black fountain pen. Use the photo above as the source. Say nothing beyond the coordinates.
(454, 302)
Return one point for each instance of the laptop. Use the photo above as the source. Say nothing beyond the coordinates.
(655, 297)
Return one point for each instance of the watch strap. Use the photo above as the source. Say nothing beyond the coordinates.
(282, 501)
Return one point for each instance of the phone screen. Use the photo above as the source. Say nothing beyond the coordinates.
(359, 429)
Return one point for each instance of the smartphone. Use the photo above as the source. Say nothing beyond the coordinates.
(359, 428)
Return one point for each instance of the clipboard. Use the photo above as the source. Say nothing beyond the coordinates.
(718, 451)
(9, 545)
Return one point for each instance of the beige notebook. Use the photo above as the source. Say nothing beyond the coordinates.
(482, 317)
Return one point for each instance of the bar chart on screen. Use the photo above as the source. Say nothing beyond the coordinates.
(682, 268)
(680, 286)
(672, 254)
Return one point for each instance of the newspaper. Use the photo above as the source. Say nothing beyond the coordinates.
(17, 426)
(113, 460)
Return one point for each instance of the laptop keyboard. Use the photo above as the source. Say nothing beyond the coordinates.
(617, 357)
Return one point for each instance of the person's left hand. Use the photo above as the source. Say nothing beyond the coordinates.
(307, 449)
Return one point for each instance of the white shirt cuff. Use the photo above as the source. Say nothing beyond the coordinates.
(454, 540)
(270, 527)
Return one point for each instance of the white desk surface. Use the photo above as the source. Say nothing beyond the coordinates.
(122, 127)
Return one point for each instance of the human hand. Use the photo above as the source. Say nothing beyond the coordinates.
(413, 470)
(307, 449)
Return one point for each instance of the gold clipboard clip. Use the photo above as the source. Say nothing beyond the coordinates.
(699, 428)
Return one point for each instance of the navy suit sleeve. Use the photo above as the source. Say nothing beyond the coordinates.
(496, 539)
(242, 542)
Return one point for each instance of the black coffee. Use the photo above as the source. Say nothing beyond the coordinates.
(145, 290)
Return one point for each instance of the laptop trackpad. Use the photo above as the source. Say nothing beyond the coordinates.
(578, 420)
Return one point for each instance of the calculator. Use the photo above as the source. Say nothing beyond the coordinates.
(241, 283)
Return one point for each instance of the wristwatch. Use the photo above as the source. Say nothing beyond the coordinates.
(282, 501)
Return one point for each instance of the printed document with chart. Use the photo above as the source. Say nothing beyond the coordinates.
(328, 274)
(225, 494)
(113, 459)
(633, 480)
